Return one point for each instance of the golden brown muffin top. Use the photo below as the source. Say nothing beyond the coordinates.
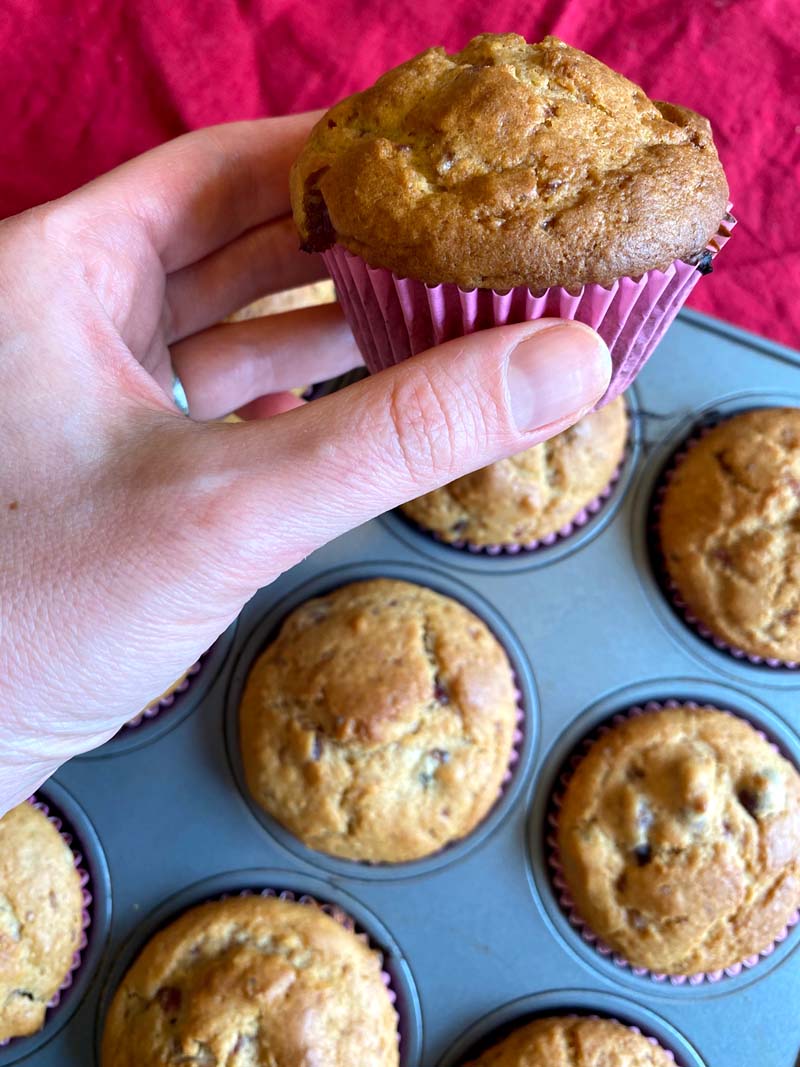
(730, 531)
(509, 164)
(41, 913)
(679, 836)
(533, 494)
(379, 724)
(250, 981)
(571, 1041)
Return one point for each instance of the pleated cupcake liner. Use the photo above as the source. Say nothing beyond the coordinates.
(393, 318)
(564, 897)
(86, 915)
(516, 741)
(164, 703)
(514, 548)
(669, 587)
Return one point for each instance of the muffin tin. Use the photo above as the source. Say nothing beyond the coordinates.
(474, 937)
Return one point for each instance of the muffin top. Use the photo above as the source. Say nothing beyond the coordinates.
(41, 918)
(509, 164)
(533, 494)
(574, 1041)
(380, 723)
(730, 531)
(679, 836)
(253, 980)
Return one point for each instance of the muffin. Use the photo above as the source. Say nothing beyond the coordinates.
(679, 839)
(574, 1041)
(291, 300)
(380, 723)
(41, 918)
(507, 182)
(729, 531)
(534, 495)
(253, 980)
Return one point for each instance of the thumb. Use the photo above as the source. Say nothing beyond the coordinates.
(306, 476)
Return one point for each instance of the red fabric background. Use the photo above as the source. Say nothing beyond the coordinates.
(87, 84)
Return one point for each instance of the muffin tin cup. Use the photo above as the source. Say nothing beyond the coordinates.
(498, 1024)
(79, 835)
(565, 898)
(651, 567)
(525, 737)
(287, 885)
(165, 713)
(547, 879)
(513, 548)
(669, 587)
(504, 559)
(393, 318)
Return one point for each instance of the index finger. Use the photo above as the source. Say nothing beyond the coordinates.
(195, 194)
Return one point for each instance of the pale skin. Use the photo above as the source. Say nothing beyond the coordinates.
(131, 535)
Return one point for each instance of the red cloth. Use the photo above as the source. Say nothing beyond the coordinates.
(87, 85)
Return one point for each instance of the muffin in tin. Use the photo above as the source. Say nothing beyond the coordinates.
(41, 918)
(380, 723)
(574, 1041)
(253, 980)
(679, 840)
(531, 496)
(728, 526)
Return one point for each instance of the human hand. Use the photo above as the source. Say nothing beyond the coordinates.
(131, 536)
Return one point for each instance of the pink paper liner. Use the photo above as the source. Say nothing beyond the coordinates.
(562, 892)
(86, 918)
(513, 548)
(669, 588)
(393, 318)
(516, 740)
(336, 913)
(155, 707)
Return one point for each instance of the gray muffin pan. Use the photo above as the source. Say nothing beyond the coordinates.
(473, 938)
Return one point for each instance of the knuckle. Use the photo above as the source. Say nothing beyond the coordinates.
(431, 424)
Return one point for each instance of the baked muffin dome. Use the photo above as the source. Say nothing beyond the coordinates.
(679, 836)
(574, 1041)
(41, 918)
(533, 494)
(730, 531)
(380, 723)
(253, 980)
(509, 164)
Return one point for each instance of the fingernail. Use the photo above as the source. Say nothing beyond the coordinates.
(556, 373)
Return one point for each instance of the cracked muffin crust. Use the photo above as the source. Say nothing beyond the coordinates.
(509, 164)
(250, 982)
(679, 837)
(533, 494)
(41, 918)
(379, 725)
(571, 1041)
(730, 531)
